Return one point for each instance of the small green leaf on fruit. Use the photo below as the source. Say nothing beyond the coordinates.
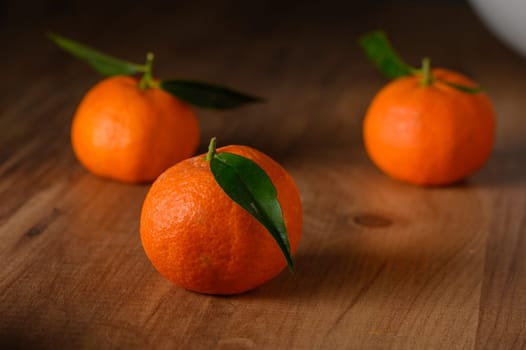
(464, 88)
(379, 50)
(102, 63)
(247, 184)
(206, 95)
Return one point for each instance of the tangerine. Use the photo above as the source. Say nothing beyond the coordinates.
(198, 238)
(132, 134)
(429, 134)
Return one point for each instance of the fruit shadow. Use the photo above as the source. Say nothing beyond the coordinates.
(346, 274)
(402, 241)
(324, 275)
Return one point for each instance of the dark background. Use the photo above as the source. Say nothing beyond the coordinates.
(314, 42)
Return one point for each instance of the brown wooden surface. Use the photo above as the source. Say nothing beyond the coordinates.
(381, 264)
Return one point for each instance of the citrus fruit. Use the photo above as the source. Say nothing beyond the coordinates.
(196, 236)
(429, 134)
(131, 129)
(132, 134)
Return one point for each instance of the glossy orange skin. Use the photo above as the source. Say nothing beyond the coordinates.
(125, 133)
(429, 135)
(199, 239)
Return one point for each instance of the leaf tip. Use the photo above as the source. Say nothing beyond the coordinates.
(378, 49)
(53, 36)
(256, 99)
(372, 35)
(292, 268)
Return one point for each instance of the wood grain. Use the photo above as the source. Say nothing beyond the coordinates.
(382, 265)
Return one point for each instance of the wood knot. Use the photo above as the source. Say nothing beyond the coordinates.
(42, 225)
(372, 220)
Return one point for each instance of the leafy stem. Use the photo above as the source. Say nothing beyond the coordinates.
(248, 185)
(101, 62)
(427, 78)
(147, 78)
(211, 149)
(379, 50)
(195, 93)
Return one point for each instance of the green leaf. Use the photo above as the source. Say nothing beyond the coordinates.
(104, 64)
(463, 88)
(249, 186)
(207, 95)
(379, 50)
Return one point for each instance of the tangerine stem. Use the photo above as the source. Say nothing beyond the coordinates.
(147, 79)
(427, 78)
(211, 149)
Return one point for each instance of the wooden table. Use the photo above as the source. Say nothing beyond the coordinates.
(381, 265)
